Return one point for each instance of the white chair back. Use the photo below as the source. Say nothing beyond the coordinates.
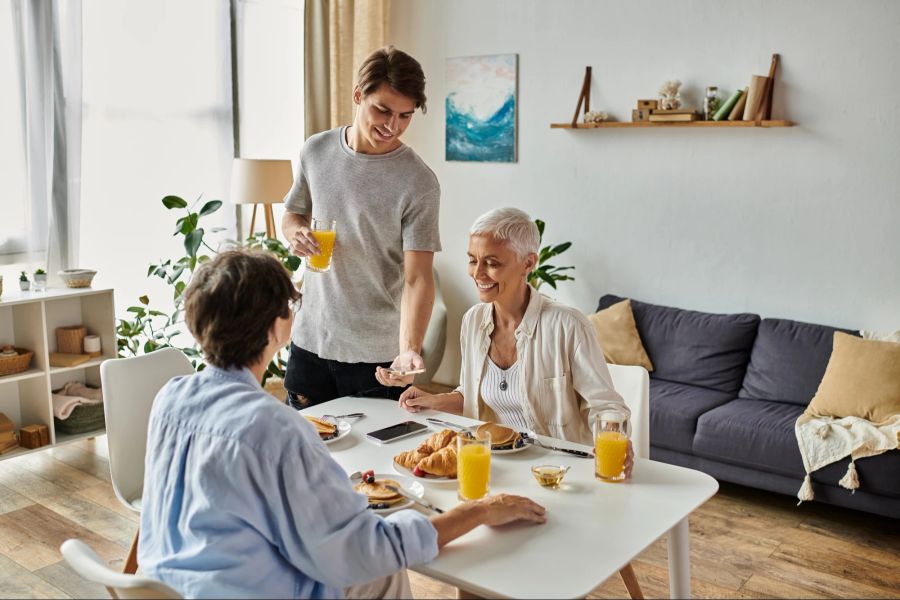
(633, 384)
(86, 563)
(129, 387)
(436, 335)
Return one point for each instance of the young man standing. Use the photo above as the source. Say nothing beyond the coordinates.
(385, 201)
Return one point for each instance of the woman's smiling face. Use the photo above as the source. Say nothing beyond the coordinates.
(499, 273)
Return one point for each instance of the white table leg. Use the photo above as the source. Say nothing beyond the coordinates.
(680, 561)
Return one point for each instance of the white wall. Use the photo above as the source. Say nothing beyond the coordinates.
(800, 222)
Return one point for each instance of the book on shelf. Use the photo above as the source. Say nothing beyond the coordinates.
(737, 113)
(669, 118)
(673, 111)
(726, 108)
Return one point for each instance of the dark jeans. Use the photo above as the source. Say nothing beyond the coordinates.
(312, 380)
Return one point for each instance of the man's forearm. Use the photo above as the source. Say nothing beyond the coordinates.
(415, 312)
(291, 222)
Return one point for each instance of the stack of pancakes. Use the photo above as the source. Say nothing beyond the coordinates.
(378, 494)
(326, 429)
(502, 438)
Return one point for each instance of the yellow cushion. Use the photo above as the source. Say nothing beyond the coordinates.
(619, 336)
(862, 379)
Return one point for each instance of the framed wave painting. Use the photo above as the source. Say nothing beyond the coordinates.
(481, 108)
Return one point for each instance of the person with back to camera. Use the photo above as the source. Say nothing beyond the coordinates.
(241, 496)
(528, 362)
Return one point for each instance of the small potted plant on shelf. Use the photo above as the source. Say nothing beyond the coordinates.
(40, 280)
(24, 284)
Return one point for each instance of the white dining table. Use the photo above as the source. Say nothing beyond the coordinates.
(593, 528)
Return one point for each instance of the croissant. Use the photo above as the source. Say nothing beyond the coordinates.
(441, 463)
(410, 458)
(436, 441)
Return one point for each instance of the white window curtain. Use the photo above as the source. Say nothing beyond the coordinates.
(48, 54)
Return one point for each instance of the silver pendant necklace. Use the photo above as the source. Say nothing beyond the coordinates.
(503, 384)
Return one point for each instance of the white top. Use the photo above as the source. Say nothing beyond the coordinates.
(571, 553)
(502, 389)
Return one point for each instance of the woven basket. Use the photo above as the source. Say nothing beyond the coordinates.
(70, 340)
(86, 417)
(10, 365)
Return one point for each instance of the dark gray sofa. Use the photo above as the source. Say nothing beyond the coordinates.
(725, 393)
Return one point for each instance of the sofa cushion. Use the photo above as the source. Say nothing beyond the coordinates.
(752, 433)
(759, 434)
(788, 361)
(674, 408)
(619, 337)
(691, 347)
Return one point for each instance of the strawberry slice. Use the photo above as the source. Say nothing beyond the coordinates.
(418, 472)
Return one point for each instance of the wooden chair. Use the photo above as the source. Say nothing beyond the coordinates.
(129, 387)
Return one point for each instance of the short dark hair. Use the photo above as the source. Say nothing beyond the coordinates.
(232, 302)
(395, 68)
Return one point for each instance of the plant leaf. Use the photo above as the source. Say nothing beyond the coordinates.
(171, 202)
(192, 242)
(210, 207)
(547, 278)
(561, 248)
(540, 225)
(145, 300)
(293, 262)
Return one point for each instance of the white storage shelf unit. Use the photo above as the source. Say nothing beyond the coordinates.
(29, 320)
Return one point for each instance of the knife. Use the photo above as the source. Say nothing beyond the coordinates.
(579, 453)
(448, 424)
(418, 501)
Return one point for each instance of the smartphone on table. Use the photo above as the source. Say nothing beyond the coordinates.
(395, 432)
(404, 372)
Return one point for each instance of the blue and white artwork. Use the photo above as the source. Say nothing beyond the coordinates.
(481, 108)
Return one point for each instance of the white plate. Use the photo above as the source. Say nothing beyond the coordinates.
(411, 487)
(427, 479)
(511, 450)
(343, 428)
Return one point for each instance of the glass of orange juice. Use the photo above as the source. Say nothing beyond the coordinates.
(324, 230)
(610, 445)
(473, 465)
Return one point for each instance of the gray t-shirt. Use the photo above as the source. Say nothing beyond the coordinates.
(384, 205)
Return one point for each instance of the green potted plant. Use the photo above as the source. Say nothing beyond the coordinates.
(24, 284)
(40, 280)
(150, 326)
(547, 273)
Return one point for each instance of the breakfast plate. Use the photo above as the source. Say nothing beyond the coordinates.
(413, 488)
(343, 429)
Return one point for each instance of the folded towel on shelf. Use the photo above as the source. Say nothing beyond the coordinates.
(73, 395)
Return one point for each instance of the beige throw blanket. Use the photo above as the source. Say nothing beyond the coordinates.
(824, 440)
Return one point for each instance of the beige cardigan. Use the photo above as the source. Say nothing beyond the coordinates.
(563, 370)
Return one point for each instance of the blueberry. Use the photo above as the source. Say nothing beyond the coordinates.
(370, 479)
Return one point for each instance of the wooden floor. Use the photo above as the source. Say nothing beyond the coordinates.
(744, 543)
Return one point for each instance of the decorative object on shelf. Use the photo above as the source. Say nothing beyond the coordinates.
(754, 97)
(70, 340)
(672, 116)
(92, 346)
(544, 273)
(64, 359)
(481, 108)
(83, 419)
(258, 181)
(149, 329)
(34, 436)
(726, 109)
(24, 284)
(595, 116)
(40, 280)
(78, 408)
(710, 102)
(762, 101)
(77, 278)
(737, 113)
(14, 360)
(647, 104)
(8, 439)
(669, 95)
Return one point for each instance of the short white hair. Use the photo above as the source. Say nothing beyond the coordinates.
(512, 225)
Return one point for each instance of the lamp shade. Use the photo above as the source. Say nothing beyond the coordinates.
(259, 181)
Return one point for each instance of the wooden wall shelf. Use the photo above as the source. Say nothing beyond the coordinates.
(688, 124)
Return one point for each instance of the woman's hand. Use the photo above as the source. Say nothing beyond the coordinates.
(413, 399)
(505, 508)
(629, 460)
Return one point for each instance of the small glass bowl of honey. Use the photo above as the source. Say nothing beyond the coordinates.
(549, 476)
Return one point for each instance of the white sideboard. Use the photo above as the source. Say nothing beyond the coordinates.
(29, 320)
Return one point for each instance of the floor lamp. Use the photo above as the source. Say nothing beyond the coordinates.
(258, 181)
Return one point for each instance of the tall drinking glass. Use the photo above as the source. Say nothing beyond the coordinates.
(473, 465)
(610, 445)
(324, 230)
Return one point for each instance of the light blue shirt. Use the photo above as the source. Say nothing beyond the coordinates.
(242, 499)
